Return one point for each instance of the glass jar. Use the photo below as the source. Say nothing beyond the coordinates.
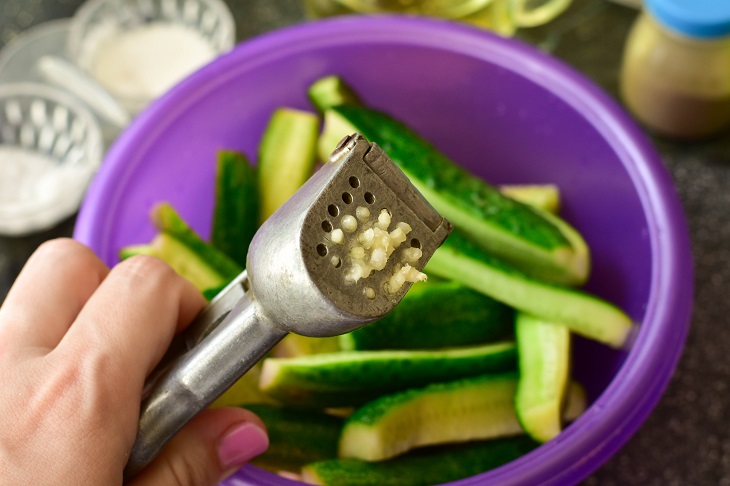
(675, 76)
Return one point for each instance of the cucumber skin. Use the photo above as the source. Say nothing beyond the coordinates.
(433, 316)
(168, 221)
(296, 437)
(585, 314)
(421, 468)
(355, 377)
(372, 412)
(393, 424)
(503, 225)
(236, 213)
(211, 292)
(544, 353)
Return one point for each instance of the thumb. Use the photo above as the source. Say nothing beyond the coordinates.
(209, 448)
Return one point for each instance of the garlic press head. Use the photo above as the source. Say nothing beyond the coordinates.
(345, 249)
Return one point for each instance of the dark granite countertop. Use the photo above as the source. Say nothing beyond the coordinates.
(685, 441)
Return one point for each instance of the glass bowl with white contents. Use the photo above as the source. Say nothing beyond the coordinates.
(139, 49)
(50, 148)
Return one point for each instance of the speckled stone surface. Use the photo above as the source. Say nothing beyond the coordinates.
(686, 441)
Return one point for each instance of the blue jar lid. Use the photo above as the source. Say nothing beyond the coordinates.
(694, 18)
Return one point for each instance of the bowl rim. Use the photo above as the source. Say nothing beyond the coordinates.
(631, 395)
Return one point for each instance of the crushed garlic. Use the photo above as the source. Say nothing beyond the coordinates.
(349, 223)
(383, 220)
(337, 236)
(412, 255)
(362, 213)
(405, 274)
(374, 247)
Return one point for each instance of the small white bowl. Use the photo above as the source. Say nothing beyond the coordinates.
(138, 49)
(38, 55)
(50, 148)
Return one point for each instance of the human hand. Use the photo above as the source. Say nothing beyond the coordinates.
(76, 344)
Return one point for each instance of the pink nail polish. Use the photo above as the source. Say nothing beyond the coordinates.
(242, 443)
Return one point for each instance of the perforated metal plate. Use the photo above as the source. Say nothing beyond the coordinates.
(366, 178)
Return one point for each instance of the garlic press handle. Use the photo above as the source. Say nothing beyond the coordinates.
(216, 311)
(221, 354)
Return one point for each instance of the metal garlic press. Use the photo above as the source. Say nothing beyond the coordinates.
(302, 277)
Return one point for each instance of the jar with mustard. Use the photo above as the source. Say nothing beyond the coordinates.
(675, 76)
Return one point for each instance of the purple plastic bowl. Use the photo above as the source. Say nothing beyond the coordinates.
(500, 108)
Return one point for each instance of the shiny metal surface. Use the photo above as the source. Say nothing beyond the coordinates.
(201, 375)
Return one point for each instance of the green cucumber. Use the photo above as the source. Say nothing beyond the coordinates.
(480, 407)
(296, 437)
(541, 196)
(244, 391)
(211, 292)
(576, 401)
(544, 363)
(169, 222)
(421, 468)
(185, 261)
(236, 213)
(331, 91)
(460, 259)
(286, 157)
(134, 250)
(436, 315)
(433, 465)
(294, 345)
(351, 378)
(469, 409)
(502, 225)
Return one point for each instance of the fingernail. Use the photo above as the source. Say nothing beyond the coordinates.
(242, 443)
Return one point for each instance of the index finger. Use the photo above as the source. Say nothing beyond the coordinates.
(132, 318)
(49, 293)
